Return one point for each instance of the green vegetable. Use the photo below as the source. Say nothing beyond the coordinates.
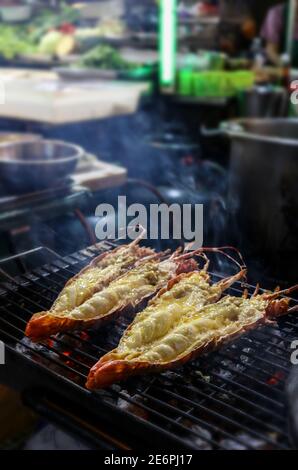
(105, 57)
(14, 41)
(25, 39)
(48, 20)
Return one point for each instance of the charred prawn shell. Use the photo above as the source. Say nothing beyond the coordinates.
(183, 321)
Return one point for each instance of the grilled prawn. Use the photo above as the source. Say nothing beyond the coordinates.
(166, 332)
(159, 340)
(126, 291)
(98, 274)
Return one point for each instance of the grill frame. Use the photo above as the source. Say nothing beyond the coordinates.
(184, 384)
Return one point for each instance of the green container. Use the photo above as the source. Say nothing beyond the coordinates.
(199, 84)
(185, 82)
(217, 61)
(242, 80)
(145, 72)
(213, 84)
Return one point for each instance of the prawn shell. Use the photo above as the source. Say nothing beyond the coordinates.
(43, 324)
(111, 368)
(139, 250)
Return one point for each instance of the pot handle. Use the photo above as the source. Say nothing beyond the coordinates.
(205, 132)
(226, 129)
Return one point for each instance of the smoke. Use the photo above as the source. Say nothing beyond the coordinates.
(121, 139)
(127, 140)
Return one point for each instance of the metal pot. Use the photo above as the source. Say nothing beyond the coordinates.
(32, 166)
(6, 137)
(265, 102)
(263, 195)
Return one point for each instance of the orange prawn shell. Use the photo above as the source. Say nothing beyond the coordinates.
(43, 324)
(110, 368)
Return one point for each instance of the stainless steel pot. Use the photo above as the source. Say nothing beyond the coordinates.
(263, 185)
(31, 166)
(265, 102)
(6, 137)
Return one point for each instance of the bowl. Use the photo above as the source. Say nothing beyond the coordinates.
(27, 167)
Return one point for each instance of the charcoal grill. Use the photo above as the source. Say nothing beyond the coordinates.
(230, 399)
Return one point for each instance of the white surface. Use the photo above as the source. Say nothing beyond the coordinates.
(15, 13)
(42, 96)
(97, 175)
(104, 9)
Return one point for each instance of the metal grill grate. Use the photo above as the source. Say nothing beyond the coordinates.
(231, 399)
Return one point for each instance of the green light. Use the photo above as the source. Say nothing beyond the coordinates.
(167, 41)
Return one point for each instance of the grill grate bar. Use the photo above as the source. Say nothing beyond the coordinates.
(247, 389)
(266, 361)
(45, 278)
(57, 274)
(69, 270)
(245, 375)
(224, 390)
(268, 343)
(264, 336)
(94, 346)
(41, 353)
(187, 415)
(27, 299)
(57, 340)
(49, 347)
(76, 350)
(23, 308)
(227, 354)
(219, 416)
(43, 286)
(180, 426)
(215, 400)
(292, 325)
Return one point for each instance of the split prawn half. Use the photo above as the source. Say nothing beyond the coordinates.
(172, 331)
(93, 278)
